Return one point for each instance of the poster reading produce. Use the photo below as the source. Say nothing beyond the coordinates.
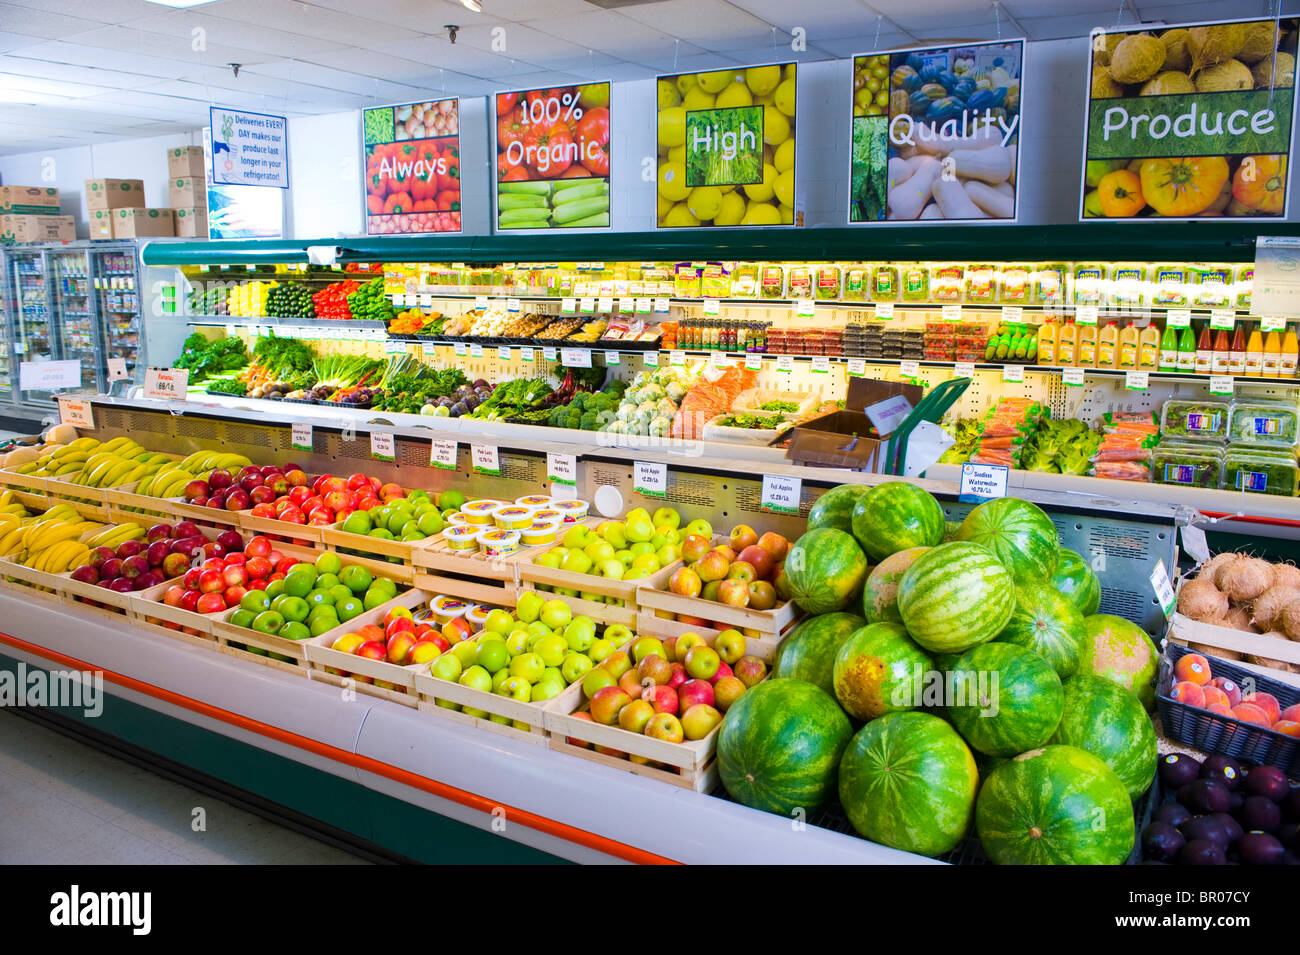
(726, 147)
(412, 155)
(552, 158)
(935, 134)
(1190, 122)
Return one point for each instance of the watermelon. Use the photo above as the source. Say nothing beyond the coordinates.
(1020, 533)
(879, 670)
(1109, 722)
(908, 781)
(895, 516)
(1075, 579)
(955, 596)
(1004, 699)
(1120, 651)
(808, 653)
(1046, 622)
(880, 592)
(779, 746)
(824, 570)
(835, 508)
(1058, 805)
(950, 529)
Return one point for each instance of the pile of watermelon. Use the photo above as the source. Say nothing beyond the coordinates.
(965, 681)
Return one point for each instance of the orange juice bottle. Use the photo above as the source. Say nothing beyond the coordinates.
(1290, 353)
(1047, 336)
(1086, 353)
(1255, 353)
(1067, 345)
(1272, 355)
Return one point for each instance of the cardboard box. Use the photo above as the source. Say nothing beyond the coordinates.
(114, 193)
(101, 223)
(187, 192)
(843, 439)
(186, 162)
(28, 201)
(143, 223)
(192, 223)
(37, 229)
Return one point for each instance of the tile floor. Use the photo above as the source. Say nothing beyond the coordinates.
(65, 803)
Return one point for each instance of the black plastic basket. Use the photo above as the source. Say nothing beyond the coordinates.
(1213, 733)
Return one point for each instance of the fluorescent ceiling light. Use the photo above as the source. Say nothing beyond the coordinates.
(474, 5)
(180, 3)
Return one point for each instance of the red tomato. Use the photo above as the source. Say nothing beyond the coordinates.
(513, 173)
(549, 149)
(592, 137)
(506, 102)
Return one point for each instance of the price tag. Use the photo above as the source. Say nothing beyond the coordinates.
(426, 300)
(805, 307)
(1086, 315)
(1136, 380)
(821, 364)
(754, 361)
(677, 357)
(461, 349)
(661, 305)
(301, 438)
(394, 346)
(785, 363)
(1224, 318)
(1178, 317)
(720, 360)
(627, 305)
(1072, 376)
(951, 313)
(568, 305)
(884, 310)
(398, 299)
(983, 482)
(909, 369)
(117, 369)
(480, 301)
(76, 412)
(503, 352)
(562, 469)
(886, 416)
(780, 494)
(712, 306)
(476, 350)
(1163, 588)
(549, 352)
(652, 359)
(857, 367)
(613, 358)
(411, 299)
(442, 455)
(1194, 542)
(383, 446)
(1272, 323)
(485, 458)
(964, 369)
(50, 375)
(513, 305)
(643, 306)
(650, 479)
(606, 303)
(231, 331)
(1013, 372)
(1221, 384)
(576, 358)
(588, 304)
(526, 353)
(166, 384)
(1012, 313)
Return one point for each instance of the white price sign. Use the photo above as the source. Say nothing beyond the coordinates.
(1086, 315)
(606, 303)
(50, 375)
(805, 307)
(442, 455)
(677, 357)
(857, 367)
(1221, 384)
(652, 359)
(1272, 323)
(884, 310)
(394, 346)
(1224, 318)
(785, 363)
(821, 364)
(513, 305)
(301, 438)
(411, 299)
(383, 446)
(643, 306)
(576, 358)
(712, 306)
(461, 349)
(661, 305)
(117, 369)
(613, 358)
(166, 384)
(588, 304)
(951, 313)
(485, 458)
(780, 494)
(1163, 588)
(1136, 380)
(480, 301)
(650, 479)
(426, 299)
(562, 469)
(476, 350)
(1178, 317)
(77, 412)
(503, 352)
(1013, 373)
(964, 369)
(549, 353)
(568, 305)
(1072, 376)
(983, 482)
(887, 415)
(909, 369)
(1012, 313)
(526, 353)
(754, 361)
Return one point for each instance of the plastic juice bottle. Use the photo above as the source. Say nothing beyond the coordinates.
(1290, 354)
(1149, 348)
(1186, 351)
(1168, 349)
(1067, 345)
(1108, 346)
(1204, 351)
(1272, 355)
(1128, 347)
(1255, 353)
(1222, 352)
(1086, 354)
(1237, 353)
(1047, 336)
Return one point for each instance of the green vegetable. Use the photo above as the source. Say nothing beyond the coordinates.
(869, 169)
(205, 359)
(580, 209)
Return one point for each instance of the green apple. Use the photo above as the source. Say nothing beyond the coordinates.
(492, 654)
(597, 679)
(500, 677)
(575, 667)
(648, 561)
(447, 667)
(529, 666)
(565, 592)
(638, 513)
(576, 562)
(327, 581)
(476, 678)
(552, 650)
(465, 652)
(556, 614)
(575, 537)
(647, 647)
(548, 688)
(592, 596)
(529, 606)
(374, 598)
(550, 559)
(358, 522)
(268, 621)
(639, 529)
(626, 557)
(244, 618)
(328, 562)
(668, 554)
(612, 569)
(638, 573)
(671, 534)
(640, 548)
(658, 541)
(701, 527)
(537, 628)
(499, 621)
(293, 609)
(579, 634)
(517, 641)
(618, 634)
(600, 648)
(599, 550)
(612, 531)
(666, 515)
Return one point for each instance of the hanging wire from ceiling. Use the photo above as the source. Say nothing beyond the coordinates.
(880, 18)
(997, 20)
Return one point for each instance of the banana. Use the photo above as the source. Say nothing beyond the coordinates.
(114, 444)
(48, 535)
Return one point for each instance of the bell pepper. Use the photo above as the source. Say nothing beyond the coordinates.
(398, 202)
(448, 201)
(449, 170)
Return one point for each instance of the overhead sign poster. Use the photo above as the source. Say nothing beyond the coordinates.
(249, 149)
(412, 157)
(552, 158)
(726, 150)
(1190, 122)
(935, 134)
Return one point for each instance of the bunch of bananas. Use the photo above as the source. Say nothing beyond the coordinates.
(170, 479)
(90, 463)
(11, 512)
(113, 535)
(210, 460)
(50, 542)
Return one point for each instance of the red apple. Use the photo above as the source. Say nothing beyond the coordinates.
(694, 691)
(662, 698)
(331, 484)
(678, 676)
(185, 529)
(211, 603)
(357, 481)
(220, 479)
(724, 671)
(264, 511)
(158, 532)
(299, 494)
(174, 595)
(234, 575)
(129, 549)
(133, 567)
(257, 567)
(238, 500)
(258, 546)
(389, 491)
(123, 585)
(257, 585)
(174, 565)
(191, 601)
(156, 553)
(191, 579)
(373, 650)
(292, 515)
(213, 563)
(213, 551)
(261, 495)
(195, 490)
(233, 595)
(734, 593)
(295, 476)
(320, 517)
(774, 544)
(211, 582)
(85, 574)
(399, 646)
(761, 559)
(99, 555)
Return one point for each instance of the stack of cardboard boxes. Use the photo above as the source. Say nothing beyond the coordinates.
(188, 191)
(117, 209)
(31, 214)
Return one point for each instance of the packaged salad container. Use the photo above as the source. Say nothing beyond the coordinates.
(914, 282)
(1128, 286)
(1190, 465)
(744, 280)
(1014, 285)
(855, 283)
(1089, 284)
(1171, 285)
(829, 279)
(771, 281)
(1213, 286)
(1260, 471)
(884, 284)
(1195, 420)
(948, 283)
(1267, 423)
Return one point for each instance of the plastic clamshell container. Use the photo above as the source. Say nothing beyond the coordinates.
(462, 538)
(572, 511)
(479, 512)
(498, 542)
(539, 534)
(1195, 420)
(534, 500)
(513, 517)
(1260, 471)
(1266, 423)
(446, 609)
(1188, 464)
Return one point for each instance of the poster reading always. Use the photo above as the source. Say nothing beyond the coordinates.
(1190, 122)
(552, 158)
(935, 134)
(412, 162)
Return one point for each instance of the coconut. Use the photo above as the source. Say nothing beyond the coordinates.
(1200, 600)
(1211, 45)
(1177, 55)
(1288, 574)
(1261, 40)
(1225, 77)
(1206, 650)
(1238, 618)
(1275, 72)
(1246, 579)
(1290, 620)
(1267, 608)
(1103, 87)
(1218, 568)
(1211, 566)
(1137, 58)
(1167, 84)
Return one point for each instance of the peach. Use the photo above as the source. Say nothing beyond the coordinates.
(1214, 695)
(1189, 693)
(1289, 727)
(1250, 713)
(1221, 708)
(1266, 702)
(1291, 713)
(1229, 687)
(1193, 668)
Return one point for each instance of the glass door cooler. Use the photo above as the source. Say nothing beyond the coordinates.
(76, 305)
(34, 334)
(117, 298)
(8, 366)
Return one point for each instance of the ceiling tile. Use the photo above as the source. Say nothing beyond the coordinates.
(176, 29)
(298, 19)
(101, 11)
(25, 20)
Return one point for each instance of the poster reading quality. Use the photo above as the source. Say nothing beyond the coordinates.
(249, 149)
(1190, 122)
(552, 158)
(726, 147)
(412, 161)
(935, 134)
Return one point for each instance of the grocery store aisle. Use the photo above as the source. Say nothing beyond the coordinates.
(66, 803)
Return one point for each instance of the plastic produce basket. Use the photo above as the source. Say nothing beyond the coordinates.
(714, 430)
(752, 399)
(931, 408)
(1213, 733)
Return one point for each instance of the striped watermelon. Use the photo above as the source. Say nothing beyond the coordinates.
(908, 781)
(779, 746)
(880, 592)
(955, 596)
(879, 670)
(1004, 699)
(1109, 722)
(1020, 533)
(1046, 622)
(1120, 651)
(895, 516)
(835, 508)
(1075, 579)
(824, 570)
(808, 653)
(1055, 806)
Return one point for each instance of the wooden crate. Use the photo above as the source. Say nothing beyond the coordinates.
(402, 552)
(649, 625)
(1285, 653)
(439, 696)
(77, 495)
(101, 600)
(265, 649)
(334, 666)
(30, 580)
(31, 500)
(472, 576)
(24, 482)
(535, 577)
(758, 625)
(152, 614)
(203, 516)
(300, 534)
(125, 505)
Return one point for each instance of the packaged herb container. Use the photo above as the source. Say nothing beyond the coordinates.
(1171, 284)
(1266, 423)
(914, 281)
(948, 283)
(884, 284)
(1089, 284)
(1128, 286)
(1260, 471)
(1213, 287)
(1245, 285)
(1195, 420)
(855, 283)
(1190, 465)
(1049, 285)
(829, 280)
(981, 285)
(799, 282)
(1016, 284)
(772, 281)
